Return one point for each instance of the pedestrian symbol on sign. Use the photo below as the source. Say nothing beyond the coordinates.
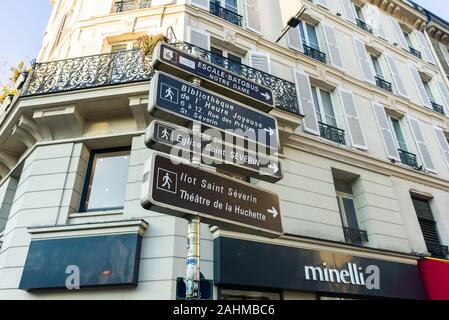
(169, 93)
(167, 181)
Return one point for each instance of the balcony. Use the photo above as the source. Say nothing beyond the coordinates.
(284, 91)
(314, 53)
(364, 26)
(409, 159)
(436, 107)
(383, 84)
(87, 72)
(122, 6)
(355, 236)
(437, 250)
(415, 52)
(332, 133)
(226, 14)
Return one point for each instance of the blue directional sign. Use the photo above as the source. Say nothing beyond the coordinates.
(170, 96)
(174, 61)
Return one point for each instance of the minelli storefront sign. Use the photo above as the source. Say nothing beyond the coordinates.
(251, 264)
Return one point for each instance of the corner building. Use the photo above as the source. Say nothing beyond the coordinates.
(362, 103)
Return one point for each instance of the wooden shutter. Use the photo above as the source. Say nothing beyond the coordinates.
(260, 61)
(349, 10)
(294, 39)
(332, 46)
(323, 3)
(364, 60)
(444, 92)
(253, 20)
(352, 120)
(305, 102)
(386, 132)
(426, 51)
(399, 85)
(377, 21)
(421, 145)
(420, 86)
(399, 34)
(199, 38)
(442, 142)
(203, 4)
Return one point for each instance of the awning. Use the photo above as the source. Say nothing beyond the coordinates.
(435, 275)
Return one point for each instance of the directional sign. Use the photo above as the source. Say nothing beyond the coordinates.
(183, 189)
(163, 136)
(174, 61)
(173, 97)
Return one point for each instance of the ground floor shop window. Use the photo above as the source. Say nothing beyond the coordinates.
(229, 294)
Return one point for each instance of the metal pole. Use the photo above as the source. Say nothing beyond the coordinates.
(194, 234)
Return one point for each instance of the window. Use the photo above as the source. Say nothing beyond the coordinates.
(377, 68)
(106, 178)
(227, 294)
(230, 5)
(359, 13)
(323, 105)
(308, 35)
(398, 134)
(233, 61)
(407, 38)
(123, 46)
(429, 228)
(428, 91)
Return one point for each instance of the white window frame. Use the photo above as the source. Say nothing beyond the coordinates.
(306, 34)
(129, 44)
(223, 5)
(320, 107)
(344, 218)
(396, 139)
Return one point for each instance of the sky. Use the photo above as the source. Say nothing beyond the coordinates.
(22, 29)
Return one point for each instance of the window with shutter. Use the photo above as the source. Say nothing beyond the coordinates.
(260, 61)
(399, 34)
(444, 92)
(348, 9)
(294, 39)
(386, 132)
(397, 80)
(253, 19)
(203, 4)
(376, 19)
(352, 120)
(420, 86)
(421, 145)
(364, 60)
(199, 38)
(332, 46)
(427, 52)
(443, 143)
(305, 102)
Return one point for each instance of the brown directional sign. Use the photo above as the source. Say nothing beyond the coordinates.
(174, 61)
(182, 189)
(166, 137)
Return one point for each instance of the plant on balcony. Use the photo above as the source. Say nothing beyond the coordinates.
(18, 70)
(147, 44)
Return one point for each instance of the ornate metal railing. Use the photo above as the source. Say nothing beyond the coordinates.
(122, 6)
(364, 26)
(436, 107)
(437, 250)
(415, 52)
(355, 236)
(332, 133)
(314, 53)
(383, 84)
(226, 14)
(284, 91)
(409, 159)
(87, 72)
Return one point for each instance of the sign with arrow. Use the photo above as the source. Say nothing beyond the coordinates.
(174, 61)
(181, 189)
(164, 137)
(181, 102)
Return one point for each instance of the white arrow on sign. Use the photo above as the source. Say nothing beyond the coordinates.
(273, 211)
(266, 95)
(270, 131)
(274, 166)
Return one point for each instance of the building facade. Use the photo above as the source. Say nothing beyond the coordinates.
(362, 103)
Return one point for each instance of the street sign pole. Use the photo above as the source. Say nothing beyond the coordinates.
(194, 235)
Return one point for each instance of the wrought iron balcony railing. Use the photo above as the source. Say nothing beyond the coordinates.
(87, 72)
(355, 236)
(226, 14)
(284, 91)
(436, 107)
(364, 26)
(383, 84)
(415, 52)
(409, 159)
(437, 250)
(332, 133)
(314, 53)
(127, 5)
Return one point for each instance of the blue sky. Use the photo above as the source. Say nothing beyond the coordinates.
(22, 29)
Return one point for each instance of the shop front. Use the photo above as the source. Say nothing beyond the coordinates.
(250, 269)
(435, 276)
